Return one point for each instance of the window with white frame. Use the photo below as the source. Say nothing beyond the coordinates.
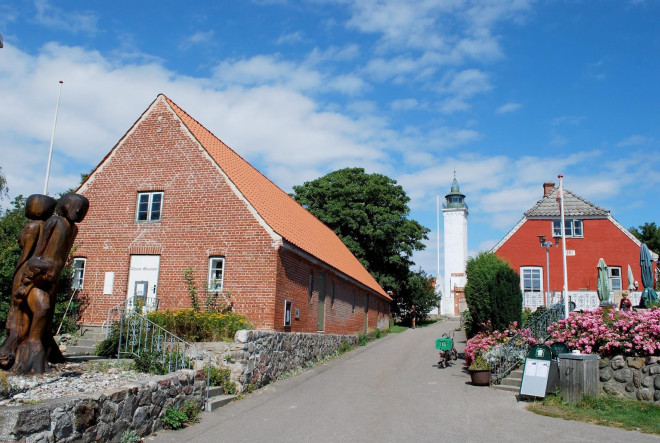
(216, 273)
(531, 279)
(573, 228)
(78, 273)
(332, 294)
(149, 206)
(614, 274)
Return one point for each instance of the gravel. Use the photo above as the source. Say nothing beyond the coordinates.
(68, 379)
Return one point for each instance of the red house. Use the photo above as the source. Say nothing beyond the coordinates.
(170, 196)
(591, 233)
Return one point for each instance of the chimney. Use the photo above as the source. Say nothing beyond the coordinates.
(547, 188)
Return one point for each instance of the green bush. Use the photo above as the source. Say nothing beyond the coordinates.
(109, 346)
(345, 346)
(221, 377)
(175, 419)
(195, 326)
(492, 294)
(377, 333)
(130, 436)
(363, 339)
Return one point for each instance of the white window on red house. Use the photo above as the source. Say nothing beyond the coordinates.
(615, 277)
(310, 286)
(573, 228)
(149, 206)
(78, 273)
(216, 273)
(531, 279)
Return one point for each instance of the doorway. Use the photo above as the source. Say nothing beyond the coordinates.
(143, 282)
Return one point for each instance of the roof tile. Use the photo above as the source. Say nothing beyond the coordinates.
(574, 206)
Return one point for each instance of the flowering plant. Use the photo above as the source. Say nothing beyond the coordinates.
(487, 343)
(609, 332)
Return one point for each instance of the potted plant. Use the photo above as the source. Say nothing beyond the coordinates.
(480, 371)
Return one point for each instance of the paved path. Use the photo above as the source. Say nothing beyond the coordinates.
(388, 391)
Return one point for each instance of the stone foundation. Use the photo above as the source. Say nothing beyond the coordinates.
(631, 377)
(103, 416)
(257, 358)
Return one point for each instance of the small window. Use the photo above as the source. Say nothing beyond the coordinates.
(310, 286)
(216, 273)
(615, 278)
(332, 294)
(573, 228)
(532, 278)
(78, 273)
(149, 206)
(287, 313)
(353, 302)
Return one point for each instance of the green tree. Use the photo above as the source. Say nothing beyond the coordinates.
(11, 224)
(492, 293)
(419, 290)
(369, 213)
(3, 185)
(648, 233)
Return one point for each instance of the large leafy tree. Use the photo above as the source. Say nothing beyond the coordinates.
(648, 233)
(369, 213)
(492, 293)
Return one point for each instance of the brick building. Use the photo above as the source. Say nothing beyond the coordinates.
(170, 196)
(591, 233)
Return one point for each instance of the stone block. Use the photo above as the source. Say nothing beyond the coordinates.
(618, 362)
(647, 381)
(635, 362)
(605, 373)
(645, 394)
(623, 375)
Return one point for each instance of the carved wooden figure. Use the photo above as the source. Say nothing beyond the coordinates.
(45, 248)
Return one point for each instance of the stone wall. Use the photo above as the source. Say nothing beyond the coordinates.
(103, 416)
(257, 358)
(631, 377)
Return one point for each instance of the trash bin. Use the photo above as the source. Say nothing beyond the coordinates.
(536, 371)
(578, 376)
(553, 378)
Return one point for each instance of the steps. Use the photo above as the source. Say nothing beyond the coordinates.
(511, 382)
(217, 398)
(85, 344)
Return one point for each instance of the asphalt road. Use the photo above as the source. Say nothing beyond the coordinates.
(388, 391)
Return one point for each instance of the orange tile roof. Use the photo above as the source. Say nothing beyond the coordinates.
(281, 212)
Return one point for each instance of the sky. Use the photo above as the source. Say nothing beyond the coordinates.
(505, 93)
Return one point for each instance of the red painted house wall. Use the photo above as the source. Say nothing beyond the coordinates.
(602, 239)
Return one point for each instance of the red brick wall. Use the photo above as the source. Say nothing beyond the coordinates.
(201, 217)
(601, 239)
(340, 317)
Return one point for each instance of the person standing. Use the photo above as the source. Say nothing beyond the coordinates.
(413, 316)
(625, 304)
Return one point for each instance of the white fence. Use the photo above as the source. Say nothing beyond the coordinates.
(584, 300)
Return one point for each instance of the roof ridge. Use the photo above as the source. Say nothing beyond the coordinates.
(283, 214)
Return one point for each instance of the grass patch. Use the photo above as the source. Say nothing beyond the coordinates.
(397, 329)
(604, 410)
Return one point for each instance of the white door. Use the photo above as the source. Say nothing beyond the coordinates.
(143, 281)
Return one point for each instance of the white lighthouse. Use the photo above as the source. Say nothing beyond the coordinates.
(454, 214)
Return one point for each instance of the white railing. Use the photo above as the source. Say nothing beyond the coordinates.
(116, 312)
(583, 300)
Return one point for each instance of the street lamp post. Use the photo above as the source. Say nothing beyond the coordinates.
(547, 245)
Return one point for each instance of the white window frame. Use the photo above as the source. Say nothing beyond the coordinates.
(310, 286)
(213, 283)
(287, 312)
(150, 206)
(78, 273)
(530, 270)
(612, 277)
(574, 228)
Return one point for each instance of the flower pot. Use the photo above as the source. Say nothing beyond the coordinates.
(480, 377)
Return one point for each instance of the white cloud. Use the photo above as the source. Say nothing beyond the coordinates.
(634, 140)
(508, 107)
(198, 38)
(71, 21)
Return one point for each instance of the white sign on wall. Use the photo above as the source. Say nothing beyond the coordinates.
(570, 252)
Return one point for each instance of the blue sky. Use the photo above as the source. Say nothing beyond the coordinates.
(508, 93)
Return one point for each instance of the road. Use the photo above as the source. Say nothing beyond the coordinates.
(388, 391)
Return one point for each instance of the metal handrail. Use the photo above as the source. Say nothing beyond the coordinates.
(513, 352)
(116, 312)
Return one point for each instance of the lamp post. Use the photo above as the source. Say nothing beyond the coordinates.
(547, 245)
